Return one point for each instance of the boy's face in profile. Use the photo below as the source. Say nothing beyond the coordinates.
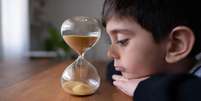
(133, 48)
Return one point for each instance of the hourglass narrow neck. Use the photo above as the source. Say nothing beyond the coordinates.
(82, 55)
(80, 61)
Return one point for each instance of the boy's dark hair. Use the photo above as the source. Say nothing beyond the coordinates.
(158, 16)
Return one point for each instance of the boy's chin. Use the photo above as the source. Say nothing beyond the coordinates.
(129, 75)
(132, 76)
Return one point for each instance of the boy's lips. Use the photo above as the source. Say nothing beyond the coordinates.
(119, 68)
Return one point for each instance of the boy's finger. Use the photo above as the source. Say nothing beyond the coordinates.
(118, 77)
(118, 84)
(124, 88)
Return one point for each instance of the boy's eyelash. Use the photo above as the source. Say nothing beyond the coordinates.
(122, 42)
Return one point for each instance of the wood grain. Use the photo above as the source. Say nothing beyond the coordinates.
(45, 86)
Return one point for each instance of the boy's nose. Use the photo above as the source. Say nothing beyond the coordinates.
(113, 52)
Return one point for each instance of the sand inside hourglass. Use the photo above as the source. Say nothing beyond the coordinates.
(79, 43)
(78, 88)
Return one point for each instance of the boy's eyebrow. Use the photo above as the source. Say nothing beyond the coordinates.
(126, 31)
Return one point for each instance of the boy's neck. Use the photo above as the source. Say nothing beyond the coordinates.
(183, 66)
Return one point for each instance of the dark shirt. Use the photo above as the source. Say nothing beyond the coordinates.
(165, 87)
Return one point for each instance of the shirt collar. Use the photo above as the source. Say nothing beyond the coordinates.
(196, 68)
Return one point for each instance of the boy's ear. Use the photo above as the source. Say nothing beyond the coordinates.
(180, 43)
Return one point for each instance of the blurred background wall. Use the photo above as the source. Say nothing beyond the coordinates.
(0, 35)
(38, 27)
(47, 14)
(14, 29)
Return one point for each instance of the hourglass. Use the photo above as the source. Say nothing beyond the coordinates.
(81, 77)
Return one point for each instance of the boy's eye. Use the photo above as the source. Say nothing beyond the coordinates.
(123, 42)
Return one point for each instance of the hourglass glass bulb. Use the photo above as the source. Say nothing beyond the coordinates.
(81, 77)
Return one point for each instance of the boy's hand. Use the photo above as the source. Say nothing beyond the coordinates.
(128, 86)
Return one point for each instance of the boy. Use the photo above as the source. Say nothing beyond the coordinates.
(154, 43)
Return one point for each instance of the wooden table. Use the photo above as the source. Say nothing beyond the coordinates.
(44, 84)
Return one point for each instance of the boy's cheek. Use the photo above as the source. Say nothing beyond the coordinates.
(136, 71)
